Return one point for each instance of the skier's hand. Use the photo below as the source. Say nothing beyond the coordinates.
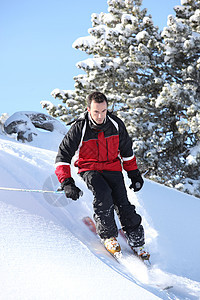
(136, 179)
(70, 189)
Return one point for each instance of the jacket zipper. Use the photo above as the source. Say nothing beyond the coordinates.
(97, 148)
(107, 148)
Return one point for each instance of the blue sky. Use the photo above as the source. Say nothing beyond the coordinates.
(36, 46)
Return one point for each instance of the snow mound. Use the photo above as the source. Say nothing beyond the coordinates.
(27, 125)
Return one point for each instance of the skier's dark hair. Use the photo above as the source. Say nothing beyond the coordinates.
(97, 97)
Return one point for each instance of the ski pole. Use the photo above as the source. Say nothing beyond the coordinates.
(143, 174)
(30, 190)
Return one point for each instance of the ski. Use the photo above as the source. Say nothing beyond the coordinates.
(119, 255)
(91, 225)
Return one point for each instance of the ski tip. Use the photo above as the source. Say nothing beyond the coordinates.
(89, 223)
(118, 255)
(168, 287)
(164, 287)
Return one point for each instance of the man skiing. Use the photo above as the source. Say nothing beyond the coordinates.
(103, 146)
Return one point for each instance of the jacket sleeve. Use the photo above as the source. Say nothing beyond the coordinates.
(66, 151)
(126, 151)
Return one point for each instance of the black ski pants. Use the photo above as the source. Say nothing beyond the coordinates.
(110, 194)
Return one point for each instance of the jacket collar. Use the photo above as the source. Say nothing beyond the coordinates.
(97, 127)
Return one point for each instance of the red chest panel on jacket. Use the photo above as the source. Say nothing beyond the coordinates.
(101, 149)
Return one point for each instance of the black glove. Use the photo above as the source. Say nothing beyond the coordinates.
(71, 190)
(136, 178)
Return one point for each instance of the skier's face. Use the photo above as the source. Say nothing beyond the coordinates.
(98, 111)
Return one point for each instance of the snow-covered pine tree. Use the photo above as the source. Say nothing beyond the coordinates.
(126, 65)
(179, 101)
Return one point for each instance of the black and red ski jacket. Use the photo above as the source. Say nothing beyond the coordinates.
(97, 147)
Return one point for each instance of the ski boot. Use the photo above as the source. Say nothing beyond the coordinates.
(113, 246)
(141, 252)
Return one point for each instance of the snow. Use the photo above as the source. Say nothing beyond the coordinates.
(147, 21)
(192, 157)
(195, 17)
(142, 35)
(184, 2)
(127, 18)
(88, 41)
(101, 63)
(48, 253)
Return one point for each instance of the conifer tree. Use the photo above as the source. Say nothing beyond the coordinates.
(179, 101)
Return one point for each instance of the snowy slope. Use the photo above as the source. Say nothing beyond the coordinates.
(48, 253)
